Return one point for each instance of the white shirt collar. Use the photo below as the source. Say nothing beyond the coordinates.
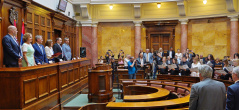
(236, 81)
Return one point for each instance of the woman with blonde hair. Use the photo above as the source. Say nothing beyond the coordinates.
(49, 50)
(28, 51)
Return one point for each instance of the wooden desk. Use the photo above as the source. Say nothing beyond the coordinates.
(42, 87)
(147, 93)
(153, 104)
(100, 84)
(123, 74)
(178, 78)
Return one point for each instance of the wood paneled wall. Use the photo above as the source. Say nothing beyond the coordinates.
(38, 20)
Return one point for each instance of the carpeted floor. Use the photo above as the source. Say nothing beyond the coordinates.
(82, 99)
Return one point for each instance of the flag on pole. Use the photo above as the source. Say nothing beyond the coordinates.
(15, 24)
(23, 32)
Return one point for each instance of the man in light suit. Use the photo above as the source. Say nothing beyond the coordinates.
(58, 49)
(233, 92)
(171, 53)
(39, 54)
(148, 56)
(207, 94)
(141, 62)
(11, 48)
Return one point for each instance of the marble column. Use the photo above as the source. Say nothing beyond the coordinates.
(184, 35)
(94, 45)
(87, 39)
(77, 39)
(234, 35)
(137, 41)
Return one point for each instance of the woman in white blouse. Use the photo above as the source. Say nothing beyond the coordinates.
(179, 54)
(49, 50)
(195, 64)
(28, 51)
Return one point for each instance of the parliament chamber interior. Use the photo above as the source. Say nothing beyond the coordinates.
(119, 55)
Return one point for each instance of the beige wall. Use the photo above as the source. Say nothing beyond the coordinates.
(210, 36)
(115, 36)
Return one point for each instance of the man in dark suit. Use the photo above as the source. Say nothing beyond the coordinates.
(207, 94)
(39, 54)
(57, 49)
(233, 92)
(171, 53)
(185, 72)
(169, 60)
(11, 48)
(141, 62)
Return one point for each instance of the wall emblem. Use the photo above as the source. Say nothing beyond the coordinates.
(13, 15)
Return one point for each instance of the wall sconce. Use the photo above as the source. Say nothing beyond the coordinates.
(111, 6)
(158, 5)
(204, 1)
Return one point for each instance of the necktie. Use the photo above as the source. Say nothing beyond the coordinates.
(41, 49)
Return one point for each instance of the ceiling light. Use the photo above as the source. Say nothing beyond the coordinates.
(204, 1)
(111, 6)
(158, 5)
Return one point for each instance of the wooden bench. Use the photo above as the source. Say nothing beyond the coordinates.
(123, 74)
(178, 78)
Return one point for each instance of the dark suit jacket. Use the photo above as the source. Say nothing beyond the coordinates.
(173, 53)
(170, 62)
(176, 71)
(233, 97)
(11, 51)
(39, 56)
(57, 49)
(139, 63)
(162, 70)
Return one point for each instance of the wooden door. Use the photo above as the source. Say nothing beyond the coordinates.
(165, 42)
(161, 41)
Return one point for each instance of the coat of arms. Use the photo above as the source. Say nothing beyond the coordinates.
(13, 15)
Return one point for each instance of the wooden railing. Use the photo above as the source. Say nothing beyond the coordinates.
(42, 87)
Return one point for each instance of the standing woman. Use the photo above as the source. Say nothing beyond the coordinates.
(28, 51)
(179, 54)
(49, 50)
(195, 64)
(175, 71)
(211, 60)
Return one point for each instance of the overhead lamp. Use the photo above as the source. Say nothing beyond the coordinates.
(204, 1)
(158, 5)
(111, 6)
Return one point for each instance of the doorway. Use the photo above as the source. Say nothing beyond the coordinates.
(161, 40)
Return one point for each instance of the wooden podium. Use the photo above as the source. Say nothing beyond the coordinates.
(100, 84)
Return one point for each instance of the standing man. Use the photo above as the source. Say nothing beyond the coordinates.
(39, 54)
(233, 92)
(207, 94)
(141, 62)
(66, 49)
(185, 72)
(11, 48)
(132, 68)
(171, 53)
(148, 56)
(57, 49)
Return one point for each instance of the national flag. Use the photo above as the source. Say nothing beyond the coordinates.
(15, 24)
(23, 32)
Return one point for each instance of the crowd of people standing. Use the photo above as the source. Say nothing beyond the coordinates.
(33, 54)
